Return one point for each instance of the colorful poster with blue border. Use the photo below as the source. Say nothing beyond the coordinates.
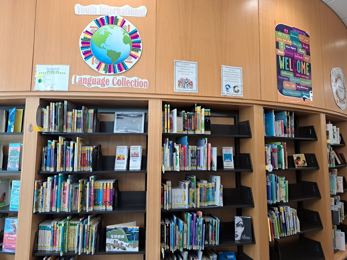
(293, 59)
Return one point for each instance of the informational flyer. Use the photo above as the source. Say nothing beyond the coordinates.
(232, 84)
(52, 77)
(293, 58)
(186, 76)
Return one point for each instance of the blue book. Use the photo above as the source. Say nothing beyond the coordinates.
(273, 188)
(61, 179)
(14, 201)
(268, 189)
(11, 120)
(226, 255)
(282, 116)
(270, 123)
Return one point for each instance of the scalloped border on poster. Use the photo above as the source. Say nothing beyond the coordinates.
(338, 86)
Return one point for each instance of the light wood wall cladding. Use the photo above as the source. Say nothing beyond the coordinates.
(57, 33)
(334, 51)
(302, 14)
(212, 33)
(17, 22)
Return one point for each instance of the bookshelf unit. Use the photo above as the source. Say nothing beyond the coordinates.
(226, 130)
(5, 139)
(301, 192)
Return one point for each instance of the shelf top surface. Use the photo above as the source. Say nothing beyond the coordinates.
(207, 135)
(6, 209)
(297, 138)
(96, 133)
(93, 172)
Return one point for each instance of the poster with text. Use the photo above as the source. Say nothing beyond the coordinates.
(186, 76)
(293, 59)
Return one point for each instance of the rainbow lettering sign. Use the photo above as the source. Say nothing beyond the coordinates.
(110, 45)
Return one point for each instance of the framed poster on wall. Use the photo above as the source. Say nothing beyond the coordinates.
(293, 59)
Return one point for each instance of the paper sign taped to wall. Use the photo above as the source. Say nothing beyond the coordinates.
(52, 77)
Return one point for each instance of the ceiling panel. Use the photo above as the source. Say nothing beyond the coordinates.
(339, 7)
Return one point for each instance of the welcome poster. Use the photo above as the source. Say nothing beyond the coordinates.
(293, 58)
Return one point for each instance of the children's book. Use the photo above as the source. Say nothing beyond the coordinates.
(4, 192)
(10, 234)
(226, 256)
(121, 158)
(270, 123)
(135, 157)
(11, 120)
(3, 120)
(243, 228)
(228, 161)
(122, 237)
(299, 160)
(14, 202)
(14, 154)
(2, 227)
(18, 121)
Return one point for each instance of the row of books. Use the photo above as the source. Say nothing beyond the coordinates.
(279, 123)
(282, 222)
(338, 206)
(69, 234)
(14, 159)
(67, 155)
(339, 241)
(276, 155)
(195, 122)
(192, 231)
(207, 254)
(67, 193)
(60, 257)
(65, 117)
(276, 189)
(9, 193)
(192, 193)
(11, 121)
(180, 156)
(8, 232)
(335, 158)
(336, 182)
(333, 134)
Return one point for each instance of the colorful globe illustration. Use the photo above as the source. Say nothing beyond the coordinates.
(111, 44)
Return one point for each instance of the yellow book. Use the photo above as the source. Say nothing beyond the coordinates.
(165, 118)
(168, 119)
(18, 121)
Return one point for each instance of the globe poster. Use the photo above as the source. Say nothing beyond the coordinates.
(293, 58)
(110, 45)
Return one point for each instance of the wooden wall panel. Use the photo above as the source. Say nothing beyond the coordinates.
(212, 33)
(17, 22)
(302, 14)
(334, 51)
(58, 30)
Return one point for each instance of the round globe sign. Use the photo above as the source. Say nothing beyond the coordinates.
(339, 87)
(110, 45)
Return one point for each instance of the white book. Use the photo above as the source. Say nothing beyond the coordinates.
(174, 120)
(339, 180)
(121, 158)
(334, 135)
(135, 157)
(214, 158)
(340, 240)
(3, 120)
(202, 120)
(330, 133)
(1, 156)
(228, 160)
(217, 180)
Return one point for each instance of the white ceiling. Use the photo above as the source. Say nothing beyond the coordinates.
(339, 7)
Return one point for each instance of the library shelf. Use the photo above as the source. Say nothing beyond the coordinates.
(88, 134)
(305, 249)
(241, 130)
(101, 252)
(6, 209)
(107, 163)
(338, 166)
(240, 197)
(303, 191)
(9, 173)
(243, 257)
(309, 221)
(303, 133)
(340, 255)
(128, 202)
(6, 252)
(14, 133)
(242, 163)
(312, 163)
(341, 144)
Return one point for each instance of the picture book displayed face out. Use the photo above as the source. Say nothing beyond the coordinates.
(299, 160)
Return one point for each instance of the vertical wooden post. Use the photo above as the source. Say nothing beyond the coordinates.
(30, 154)
(153, 180)
(257, 181)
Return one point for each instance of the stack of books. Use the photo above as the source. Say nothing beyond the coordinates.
(333, 134)
(282, 222)
(336, 182)
(277, 189)
(11, 121)
(279, 123)
(276, 155)
(207, 254)
(64, 117)
(67, 155)
(194, 122)
(63, 193)
(69, 234)
(338, 206)
(192, 193)
(191, 232)
(335, 158)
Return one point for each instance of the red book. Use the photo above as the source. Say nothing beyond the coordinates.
(209, 156)
(104, 197)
